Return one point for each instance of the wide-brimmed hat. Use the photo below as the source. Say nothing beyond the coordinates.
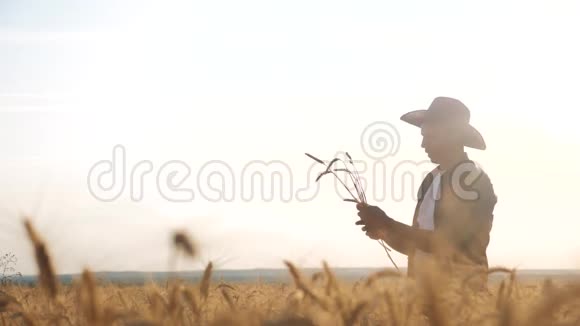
(451, 112)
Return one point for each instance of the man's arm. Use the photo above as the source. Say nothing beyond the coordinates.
(404, 238)
(399, 236)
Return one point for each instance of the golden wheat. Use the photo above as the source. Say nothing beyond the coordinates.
(387, 298)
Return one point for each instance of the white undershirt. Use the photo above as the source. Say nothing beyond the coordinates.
(425, 216)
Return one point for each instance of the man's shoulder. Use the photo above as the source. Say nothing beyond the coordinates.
(470, 180)
(470, 171)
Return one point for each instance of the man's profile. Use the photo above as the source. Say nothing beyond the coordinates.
(454, 213)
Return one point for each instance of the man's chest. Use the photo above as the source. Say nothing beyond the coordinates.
(439, 205)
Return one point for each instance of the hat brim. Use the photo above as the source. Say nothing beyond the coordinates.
(471, 138)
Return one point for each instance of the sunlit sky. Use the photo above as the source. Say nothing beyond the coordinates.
(251, 81)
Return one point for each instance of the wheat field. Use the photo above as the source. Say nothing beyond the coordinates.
(382, 298)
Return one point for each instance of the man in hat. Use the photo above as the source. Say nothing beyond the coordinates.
(454, 213)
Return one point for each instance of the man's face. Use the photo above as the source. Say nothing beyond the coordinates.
(437, 140)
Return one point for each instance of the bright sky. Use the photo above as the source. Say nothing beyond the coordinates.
(259, 81)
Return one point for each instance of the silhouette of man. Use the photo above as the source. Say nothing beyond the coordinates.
(454, 213)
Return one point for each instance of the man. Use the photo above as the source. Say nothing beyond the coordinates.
(454, 213)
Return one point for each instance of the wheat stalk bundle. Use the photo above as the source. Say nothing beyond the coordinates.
(354, 176)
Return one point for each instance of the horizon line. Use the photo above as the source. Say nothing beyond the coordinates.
(575, 270)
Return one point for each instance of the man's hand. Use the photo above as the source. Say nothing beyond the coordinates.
(374, 221)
